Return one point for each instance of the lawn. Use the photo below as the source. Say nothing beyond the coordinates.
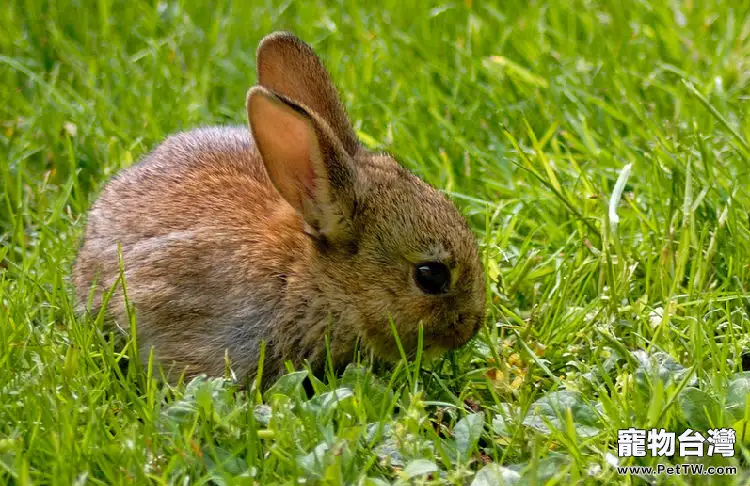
(599, 149)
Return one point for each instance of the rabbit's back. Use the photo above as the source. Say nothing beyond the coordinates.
(190, 178)
(206, 244)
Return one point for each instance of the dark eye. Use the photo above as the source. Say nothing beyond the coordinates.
(432, 277)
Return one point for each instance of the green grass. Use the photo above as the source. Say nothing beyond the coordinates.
(527, 113)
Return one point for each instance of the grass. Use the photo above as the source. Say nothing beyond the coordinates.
(600, 150)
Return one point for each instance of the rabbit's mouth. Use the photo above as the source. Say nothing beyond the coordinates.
(448, 335)
(455, 334)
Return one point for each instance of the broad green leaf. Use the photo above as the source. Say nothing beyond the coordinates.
(551, 409)
(496, 475)
(738, 391)
(420, 467)
(699, 409)
(658, 366)
(467, 432)
(288, 384)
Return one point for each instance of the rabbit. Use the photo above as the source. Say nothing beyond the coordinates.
(288, 233)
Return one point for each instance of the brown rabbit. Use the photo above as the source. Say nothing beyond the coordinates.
(229, 239)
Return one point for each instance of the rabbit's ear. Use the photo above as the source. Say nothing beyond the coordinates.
(305, 162)
(288, 66)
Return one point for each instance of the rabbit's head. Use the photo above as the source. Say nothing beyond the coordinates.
(387, 247)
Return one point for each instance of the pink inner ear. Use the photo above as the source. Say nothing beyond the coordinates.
(287, 143)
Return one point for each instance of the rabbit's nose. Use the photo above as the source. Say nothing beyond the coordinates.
(466, 326)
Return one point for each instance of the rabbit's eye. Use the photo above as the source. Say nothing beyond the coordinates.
(432, 277)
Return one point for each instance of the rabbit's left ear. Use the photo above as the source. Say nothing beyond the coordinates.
(305, 162)
(288, 66)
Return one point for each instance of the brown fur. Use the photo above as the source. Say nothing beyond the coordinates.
(219, 256)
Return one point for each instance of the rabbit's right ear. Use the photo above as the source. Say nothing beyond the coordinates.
(305, 162)
(288, 66)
